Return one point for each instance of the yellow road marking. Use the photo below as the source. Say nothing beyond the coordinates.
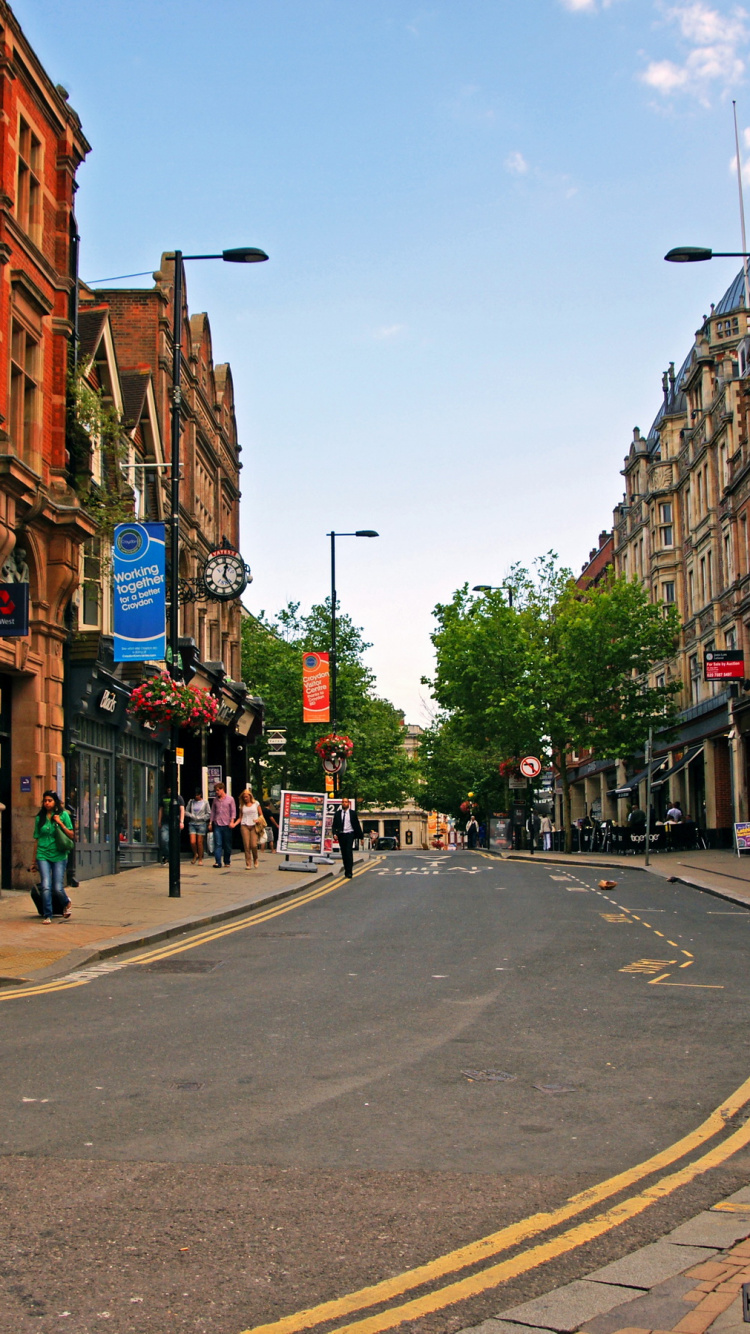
(654, 980)
(515, 1233)
(688, 963)
(538, 1255)
(203, 938)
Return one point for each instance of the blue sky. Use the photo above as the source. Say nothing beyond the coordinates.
(466, 310)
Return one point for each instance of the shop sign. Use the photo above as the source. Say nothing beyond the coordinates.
(316, 706)
(515, 782)
(139, 583)
(302, 821)
(14, 610)
(215, 775)
(107, 701)
(226, 712)
(724, 665)
(26, 783)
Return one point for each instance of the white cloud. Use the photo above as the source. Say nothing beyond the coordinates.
(516, 164)
(715, 61)
(585, 6)
(388, 331)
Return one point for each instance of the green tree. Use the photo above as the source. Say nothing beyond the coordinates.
(451, 767)
(563, 668)
(379, 772)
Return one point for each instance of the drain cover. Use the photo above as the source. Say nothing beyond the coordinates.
(183, 965)
(555, 1088)
(489, 1076)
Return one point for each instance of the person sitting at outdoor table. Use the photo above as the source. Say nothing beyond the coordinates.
(674, 814)
(637, 820)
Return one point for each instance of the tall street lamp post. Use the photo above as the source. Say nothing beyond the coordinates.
(242, 255)
(361, 532)
(495, 588)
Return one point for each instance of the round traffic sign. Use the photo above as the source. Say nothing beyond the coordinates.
(530, 766)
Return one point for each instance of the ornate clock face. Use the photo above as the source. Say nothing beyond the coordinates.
(224, 575)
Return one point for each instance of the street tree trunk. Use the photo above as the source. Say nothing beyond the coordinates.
(567, 822)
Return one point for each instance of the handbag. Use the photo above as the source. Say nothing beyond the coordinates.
(263, 837)
(63, 840)
(210, 841)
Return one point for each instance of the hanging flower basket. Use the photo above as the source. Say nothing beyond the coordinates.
(161, 702)
(509, 769)
(335, 743)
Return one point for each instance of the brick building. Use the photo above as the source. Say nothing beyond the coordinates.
(42, 523)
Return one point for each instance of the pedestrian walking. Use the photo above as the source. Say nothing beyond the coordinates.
(250, 820)
(272, 827)
(53, 834)
(223, 820)
(197, 812)
(547, 830)
(472, 830)
(346, 828)
(165, 806)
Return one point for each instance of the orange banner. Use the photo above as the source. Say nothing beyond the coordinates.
(316, 707)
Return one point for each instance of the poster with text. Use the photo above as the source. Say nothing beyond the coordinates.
(302, 820)
(316, 693)
(139, 583)
(331, 844)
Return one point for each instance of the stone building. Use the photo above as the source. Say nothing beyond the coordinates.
(682, 529)
(42, 523)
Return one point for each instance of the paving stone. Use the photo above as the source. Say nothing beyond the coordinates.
(661, 1308)
(730, 1321)
(568, 1307)
(711, 1229)
(504, 1327)
(649, 1266)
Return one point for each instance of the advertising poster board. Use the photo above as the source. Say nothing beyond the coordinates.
(140, 588)
(215, 775)
(501, 834)
(331, 844)
(742, 836)
(302, 820)
(316, 692)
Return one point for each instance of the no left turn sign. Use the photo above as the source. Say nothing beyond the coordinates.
(530, 766)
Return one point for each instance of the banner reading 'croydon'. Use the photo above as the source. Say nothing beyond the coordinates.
(140, 592)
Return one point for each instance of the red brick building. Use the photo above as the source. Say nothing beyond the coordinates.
(42, 523)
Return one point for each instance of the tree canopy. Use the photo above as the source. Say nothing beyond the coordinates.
(562, 669)
(379, 772)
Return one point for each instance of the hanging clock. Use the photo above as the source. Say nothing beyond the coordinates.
(225, 574)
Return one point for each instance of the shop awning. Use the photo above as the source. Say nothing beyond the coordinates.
(631, 784)
(688, 757)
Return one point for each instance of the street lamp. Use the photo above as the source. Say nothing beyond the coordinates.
(241, 255)
(495, 588)
(361, 532)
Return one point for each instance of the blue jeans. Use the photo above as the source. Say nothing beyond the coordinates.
(52, 874)
(222, 843)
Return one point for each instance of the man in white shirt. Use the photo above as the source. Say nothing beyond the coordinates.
(346, 828)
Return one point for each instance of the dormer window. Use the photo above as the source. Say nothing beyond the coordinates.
(727, 328)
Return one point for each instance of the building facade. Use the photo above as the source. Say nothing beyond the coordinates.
(682, 529)
(42, 521)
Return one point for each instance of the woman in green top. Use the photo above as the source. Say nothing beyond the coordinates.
(50, 858)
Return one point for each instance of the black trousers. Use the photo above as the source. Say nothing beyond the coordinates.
(346, 843)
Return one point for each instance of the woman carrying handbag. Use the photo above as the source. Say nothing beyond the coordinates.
(53, 841)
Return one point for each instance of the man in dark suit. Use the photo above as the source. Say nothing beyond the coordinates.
(346, 828)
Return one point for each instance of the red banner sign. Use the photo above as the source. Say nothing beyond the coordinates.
(724, 665)
(316, 706)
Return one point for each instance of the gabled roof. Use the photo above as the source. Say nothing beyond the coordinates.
(91, 322)
(134, 389)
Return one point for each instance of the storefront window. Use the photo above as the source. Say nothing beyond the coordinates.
(86, 799)
(96, 798)
(105, 800)
(150, 805)
(136, 809)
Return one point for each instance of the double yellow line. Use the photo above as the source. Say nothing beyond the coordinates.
(69, 982)
(507, 1238)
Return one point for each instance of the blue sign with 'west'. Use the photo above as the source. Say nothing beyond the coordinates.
(139, 579)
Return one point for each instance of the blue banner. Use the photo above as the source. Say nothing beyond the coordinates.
(139, 580)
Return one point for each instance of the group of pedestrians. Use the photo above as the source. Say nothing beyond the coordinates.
(219, 817)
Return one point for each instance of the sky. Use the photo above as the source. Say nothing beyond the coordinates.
(466, 205)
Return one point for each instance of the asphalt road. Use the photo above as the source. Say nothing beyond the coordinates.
(357, 1085)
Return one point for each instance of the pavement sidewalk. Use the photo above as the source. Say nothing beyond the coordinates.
(718, 872)
(689, 1282)
(114, 913)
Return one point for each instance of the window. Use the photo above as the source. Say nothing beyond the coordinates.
(667, 592)
(24, 389)
(661, 681)
(703, 580)
(667, 530)
(691, 592)
(728, 571)
(731, 638)
(710, 573)
(695, 680)
(92, 582)
(28, 189)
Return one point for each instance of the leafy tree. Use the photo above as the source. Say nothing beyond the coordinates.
(451, 767)
(563, 668)
(379, 772)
